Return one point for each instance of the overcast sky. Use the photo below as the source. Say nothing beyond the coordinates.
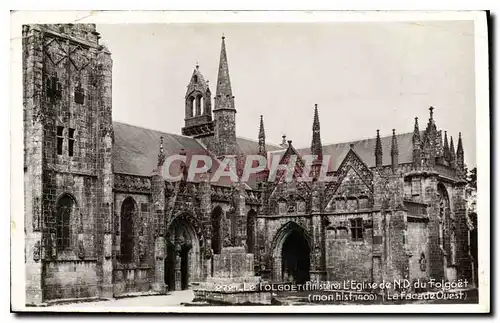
(363, 76)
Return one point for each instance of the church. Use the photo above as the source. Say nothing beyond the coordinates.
(101, 221)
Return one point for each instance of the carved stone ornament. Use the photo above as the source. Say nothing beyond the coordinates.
(131, 183)
(423, 262)
(81, 248)
(142, 247)
(36, 251)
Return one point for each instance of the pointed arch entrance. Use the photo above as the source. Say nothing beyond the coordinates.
(182, 264)
(291, 254)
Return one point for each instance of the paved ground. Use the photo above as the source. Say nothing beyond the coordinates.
(172, 299)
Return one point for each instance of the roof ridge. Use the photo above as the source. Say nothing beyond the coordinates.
(152, 129)
(256, 141)
(358, 140)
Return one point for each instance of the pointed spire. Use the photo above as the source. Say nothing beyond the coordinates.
(316, 146)
(453, 157)
(416, 133)
(378, 150)
(446, 148)
(161, 153)
(224, 93)
(394, 150)
(460, 152)
(262, 138)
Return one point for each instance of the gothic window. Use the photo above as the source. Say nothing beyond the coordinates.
(251, 230)
(199, 102)
(195, 79)
(60, 140)
(53, 88)
(191, 107)
(79, 94)
(64, 210)
(127, 230)
(71, 141)
(216, 229)
(357, 229)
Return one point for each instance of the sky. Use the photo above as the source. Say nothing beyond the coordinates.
(363, 76)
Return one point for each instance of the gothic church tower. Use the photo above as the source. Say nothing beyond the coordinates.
(224, 112)
(68, 138)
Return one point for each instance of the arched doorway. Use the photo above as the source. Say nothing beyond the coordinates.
(182, 264)
(291, 254)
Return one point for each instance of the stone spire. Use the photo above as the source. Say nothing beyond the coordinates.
(460, 152)
(161, 153)
(417, 145)
(224, 112)
(453, 157)
(262, 138)
(394, 151)
(224, 94)
(378, 150)
(316, 147)
(446, 148)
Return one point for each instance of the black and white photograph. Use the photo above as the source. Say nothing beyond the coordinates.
(250, 162)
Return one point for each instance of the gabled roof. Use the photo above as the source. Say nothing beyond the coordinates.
(135, 150)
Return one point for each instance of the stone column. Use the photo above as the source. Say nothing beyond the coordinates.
(178, 273)
(158, 195)
(105, 169)
(317, 256)
(206, 210)
(34, 113)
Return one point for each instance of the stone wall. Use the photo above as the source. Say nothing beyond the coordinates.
(138, 275)
(347, 259)
(418, 247)
(70, 279)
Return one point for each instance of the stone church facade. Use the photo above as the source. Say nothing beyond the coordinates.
(102, 222)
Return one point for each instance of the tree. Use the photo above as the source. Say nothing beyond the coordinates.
(472, 178)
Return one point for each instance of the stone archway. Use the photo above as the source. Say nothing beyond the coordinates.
(183, 260)
(291, 254)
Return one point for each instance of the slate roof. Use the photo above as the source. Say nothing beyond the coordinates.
(251, 147)
(135, 150)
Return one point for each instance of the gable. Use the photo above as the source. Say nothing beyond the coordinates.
(353, 176)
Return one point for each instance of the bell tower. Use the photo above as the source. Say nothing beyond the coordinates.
(198, 109)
